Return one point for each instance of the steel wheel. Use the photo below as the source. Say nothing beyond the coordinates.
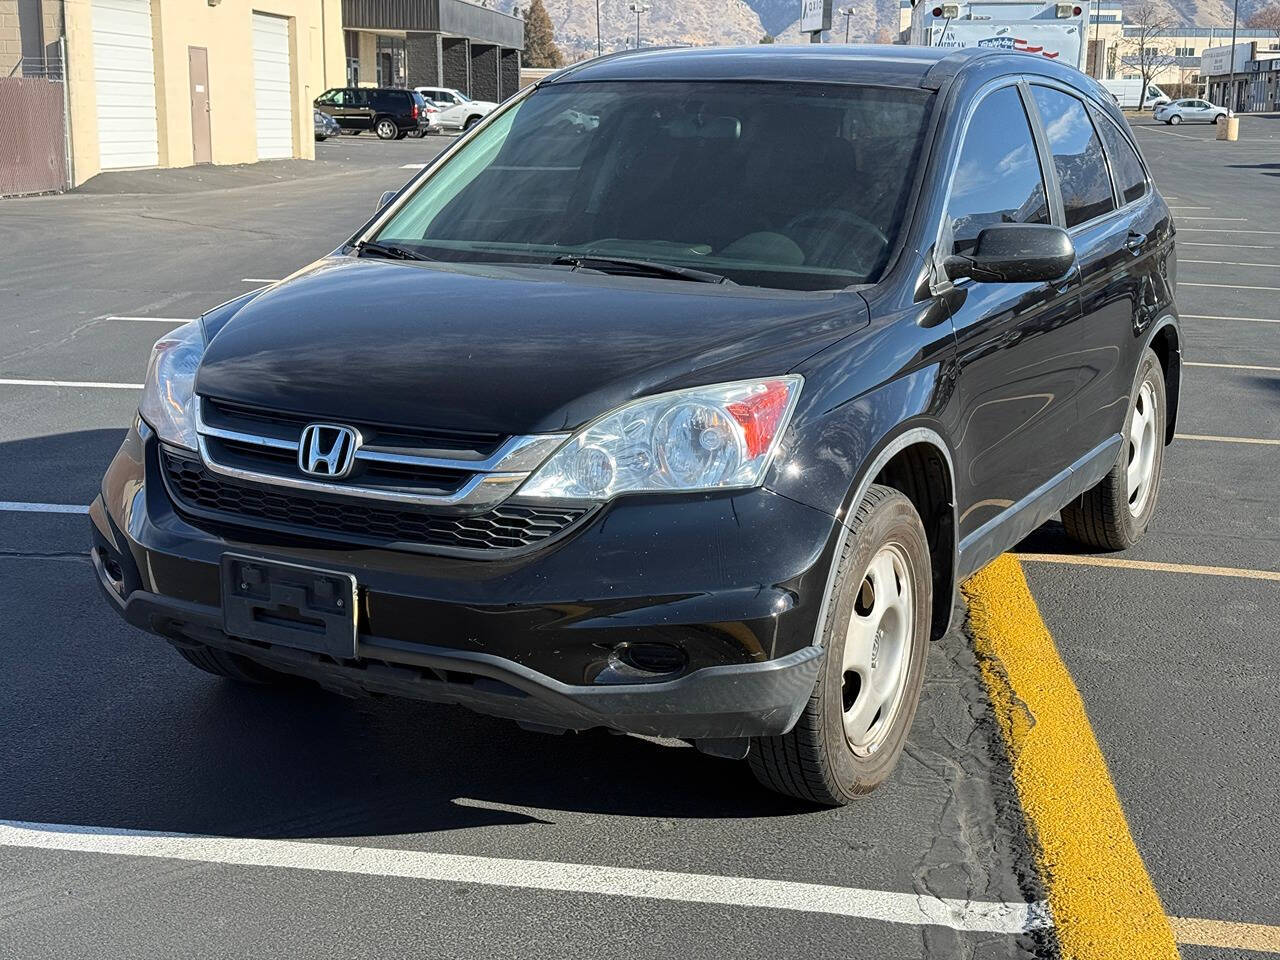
(1142, 449)
(877, 649)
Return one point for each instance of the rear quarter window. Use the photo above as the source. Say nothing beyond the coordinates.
(1126, 168)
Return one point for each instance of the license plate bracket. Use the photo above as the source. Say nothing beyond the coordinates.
(289, 604)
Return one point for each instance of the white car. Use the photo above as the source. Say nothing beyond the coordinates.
(457, 111)
(1189, 110)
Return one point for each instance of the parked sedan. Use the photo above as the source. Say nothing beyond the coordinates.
(1190, 111)
(325, 125)
(694, 440)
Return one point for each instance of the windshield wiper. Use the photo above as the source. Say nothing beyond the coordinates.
(388, 250)
(652, 268)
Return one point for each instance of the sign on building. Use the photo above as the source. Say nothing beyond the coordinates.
(815, 15)
(1216, 61)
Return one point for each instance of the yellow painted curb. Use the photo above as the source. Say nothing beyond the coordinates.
(1104, 906)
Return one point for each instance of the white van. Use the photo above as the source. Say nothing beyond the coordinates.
(1128, 94)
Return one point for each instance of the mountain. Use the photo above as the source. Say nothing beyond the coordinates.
(707, 22)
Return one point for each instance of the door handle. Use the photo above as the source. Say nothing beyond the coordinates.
(1135, 242)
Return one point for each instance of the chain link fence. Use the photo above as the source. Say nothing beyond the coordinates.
(34, 154)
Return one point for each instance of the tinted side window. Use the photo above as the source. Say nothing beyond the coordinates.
(1077, 156)
(1126, 168)
(997, 178)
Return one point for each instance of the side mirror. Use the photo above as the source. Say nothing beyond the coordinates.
(386, 198)
(1016, 253)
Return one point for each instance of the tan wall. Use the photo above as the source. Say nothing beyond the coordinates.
(10, 38)
(226, 32)
(367, 54)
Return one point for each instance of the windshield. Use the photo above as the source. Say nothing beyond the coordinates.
(789, 185)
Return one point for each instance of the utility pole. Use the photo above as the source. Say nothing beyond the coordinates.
(637, 9)
(599, 46)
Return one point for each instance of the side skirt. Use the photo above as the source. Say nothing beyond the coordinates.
(1013, 523)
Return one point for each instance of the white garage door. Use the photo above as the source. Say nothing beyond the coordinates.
(272, 93)
(125, 78)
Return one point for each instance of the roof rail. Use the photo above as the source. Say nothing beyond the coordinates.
(592, 61)
(953, 63)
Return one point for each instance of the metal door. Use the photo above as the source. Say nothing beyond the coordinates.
(201, 138)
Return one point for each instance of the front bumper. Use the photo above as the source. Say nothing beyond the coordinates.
(733, 584)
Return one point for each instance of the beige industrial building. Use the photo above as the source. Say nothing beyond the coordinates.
(171, 83)
(174, 82)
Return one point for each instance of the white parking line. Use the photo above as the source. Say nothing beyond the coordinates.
(1233, 246)
(1179, 206)
(1197, 436)
(1198, 316)
(1223, 286)
(916, 909)
(1232, 366)
(1233, 263)
(257, 280)
(15, 506)
(1208, 217)
(412, 166)
(86, 384)
(1228, 230)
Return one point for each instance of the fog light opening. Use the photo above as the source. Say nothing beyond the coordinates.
(111, 569)
(632, 662)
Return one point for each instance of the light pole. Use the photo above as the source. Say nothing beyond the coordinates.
(1235, 11)
(847, 13)
(637, 9)
(599, 46)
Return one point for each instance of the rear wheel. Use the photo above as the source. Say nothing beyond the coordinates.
(854, 727)
(229, 665)
(1114, 514)
(385, 129)
(1175, 120)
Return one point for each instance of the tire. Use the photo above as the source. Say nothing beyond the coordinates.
(385, 128)
(413, 134)
(471, 122)
(1216, 118)
(1113, 515)
(818, 761)
(402, 134)
(1175, 120)
(230, 666)
(321, 139)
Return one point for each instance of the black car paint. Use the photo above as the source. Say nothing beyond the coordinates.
(1020, 390)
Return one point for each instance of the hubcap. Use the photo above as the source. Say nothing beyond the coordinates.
(1142, 449)
(877, 649)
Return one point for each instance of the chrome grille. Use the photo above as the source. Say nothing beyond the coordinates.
(392, 463)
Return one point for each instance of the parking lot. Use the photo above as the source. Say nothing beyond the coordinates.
(1092, 770)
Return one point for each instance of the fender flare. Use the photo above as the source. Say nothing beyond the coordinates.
(898, 442)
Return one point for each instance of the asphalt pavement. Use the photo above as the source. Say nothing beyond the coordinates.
(110, 736)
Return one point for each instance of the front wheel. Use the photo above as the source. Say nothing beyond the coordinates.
(471, 122)
(1216, 118)
(1115, 513)
(1175, 120)
(854, 727)
(230, 666)
(385, 129)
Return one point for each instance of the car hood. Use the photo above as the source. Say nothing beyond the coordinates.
(499, 349)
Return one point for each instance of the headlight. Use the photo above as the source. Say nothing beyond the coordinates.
(170, 385)
(707, 438)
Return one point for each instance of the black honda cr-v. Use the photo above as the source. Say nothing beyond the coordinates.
(676, 398)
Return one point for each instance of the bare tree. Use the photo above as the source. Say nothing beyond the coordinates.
(1265, 18)
(1148, 24)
